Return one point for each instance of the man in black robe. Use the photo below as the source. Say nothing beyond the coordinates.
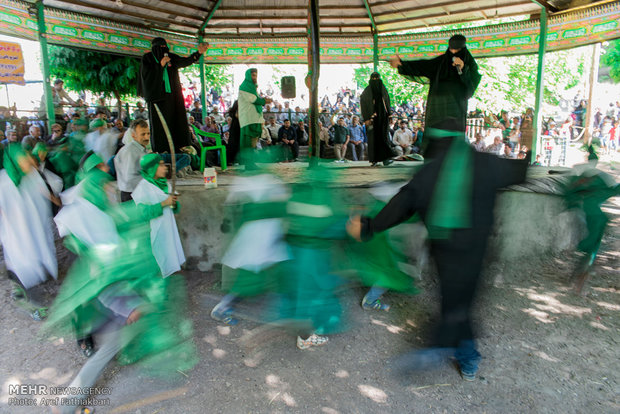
(453, 78)
(158, 83)
(375, 105)
(458, 249)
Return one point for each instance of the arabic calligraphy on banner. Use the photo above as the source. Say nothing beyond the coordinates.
(11, 63)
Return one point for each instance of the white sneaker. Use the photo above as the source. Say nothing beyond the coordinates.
(313, 340)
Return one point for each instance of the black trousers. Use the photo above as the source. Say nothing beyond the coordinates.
(294, 149)
(125, 196)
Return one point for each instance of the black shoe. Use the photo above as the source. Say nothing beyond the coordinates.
(388, 162)
(87, 346)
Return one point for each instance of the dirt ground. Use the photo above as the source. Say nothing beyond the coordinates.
(545, 350)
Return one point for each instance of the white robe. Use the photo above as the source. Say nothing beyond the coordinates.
(104, 144)
(26, 229)
(243, 252)
(165, 239)
(82, 219)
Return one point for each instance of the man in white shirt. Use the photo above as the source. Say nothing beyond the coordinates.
(127, 161)
(273, 127)
(403, 138)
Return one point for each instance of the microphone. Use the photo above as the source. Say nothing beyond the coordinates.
(458, 68)
(169, 64)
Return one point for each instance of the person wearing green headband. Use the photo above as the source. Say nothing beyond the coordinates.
(101, 140)
(153, 189)
(115, 291)
(250, 117)
(25, 226)
(47, 170)
(586, 189)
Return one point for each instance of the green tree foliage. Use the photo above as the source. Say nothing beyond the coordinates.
(507, 82)
(400, 89)
(216, 76)
(104, 73)
(611, 58)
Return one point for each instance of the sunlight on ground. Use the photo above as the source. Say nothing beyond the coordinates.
(219, 353)
(328, 410)
(598, 325)
(4, 398)
(375, 394)
(279, 391)
(391, 328)
(411, 323)
(548, 303)
(210, 339)
(609, 306)
(223, 330)
(606, 290)
(342, 374)
(545, 356)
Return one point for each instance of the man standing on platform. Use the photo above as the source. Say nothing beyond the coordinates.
(159, 84)
(250, 116)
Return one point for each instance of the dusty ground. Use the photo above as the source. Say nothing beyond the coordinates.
(545, 349)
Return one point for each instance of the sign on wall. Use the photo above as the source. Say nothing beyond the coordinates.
(11, 63)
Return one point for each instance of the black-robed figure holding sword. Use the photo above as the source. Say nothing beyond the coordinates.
(158, 83)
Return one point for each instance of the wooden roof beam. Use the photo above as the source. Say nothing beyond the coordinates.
(143, 6)
(99, 7)
(546, 5)
(468, 11)
(430, 5)
(425, 25)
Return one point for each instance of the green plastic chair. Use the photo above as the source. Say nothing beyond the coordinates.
(217, 147)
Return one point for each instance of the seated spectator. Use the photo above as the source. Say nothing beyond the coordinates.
(196, 111)
(508, 153)
(302, 132)
(403, 139)
(418, 133)
(140, 112)
(210, 126)
(357, 143)
(265, 138)
(11, 137)
(33, 138)
(102, 111)
(57, 137)
(192, 122)
(288, 138)
(324, 137)
(479, 144)
(216, 117)
(273, 127)
(496, 146)
(341, 139)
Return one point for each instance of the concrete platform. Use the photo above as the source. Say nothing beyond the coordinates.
(530, 219)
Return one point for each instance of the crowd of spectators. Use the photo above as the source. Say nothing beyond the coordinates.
(286, 124)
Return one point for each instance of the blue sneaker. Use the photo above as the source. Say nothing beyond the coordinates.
(224, 315)
(375, 305)
(468, 375)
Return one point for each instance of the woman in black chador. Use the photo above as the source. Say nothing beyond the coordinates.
(453, 78)
(375, 103)
(159, 84)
